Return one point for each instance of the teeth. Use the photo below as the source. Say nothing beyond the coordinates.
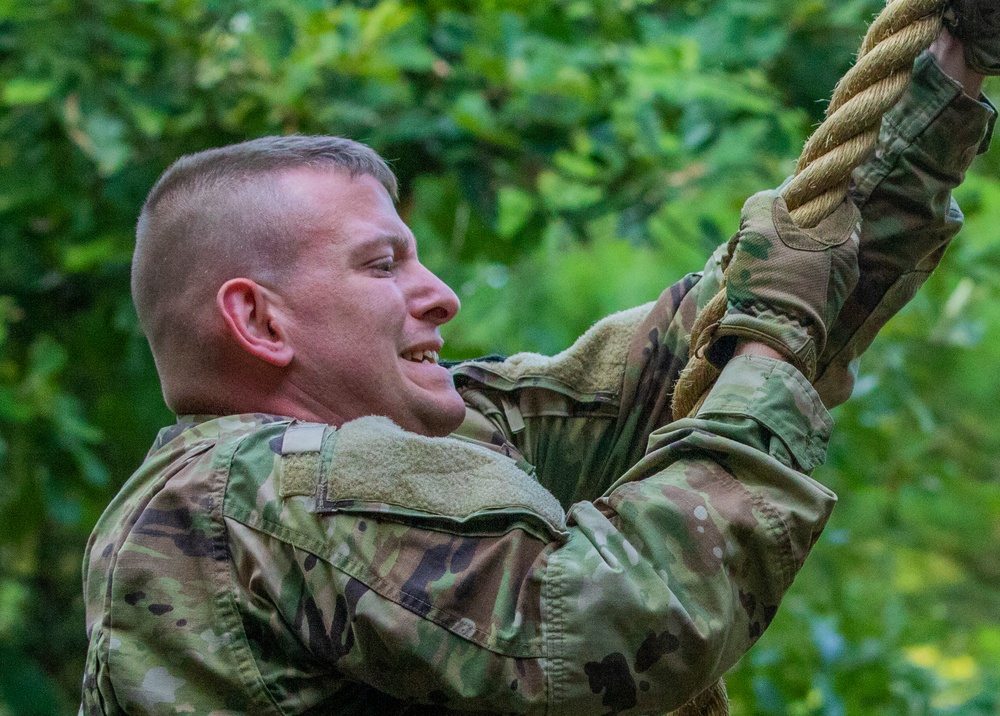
(422, 356)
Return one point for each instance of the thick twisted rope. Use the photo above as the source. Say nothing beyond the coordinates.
(903, 30)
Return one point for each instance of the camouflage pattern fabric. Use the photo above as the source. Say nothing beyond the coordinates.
(237, 571)
(210, 592)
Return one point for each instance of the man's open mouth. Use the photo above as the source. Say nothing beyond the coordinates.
(421, 356)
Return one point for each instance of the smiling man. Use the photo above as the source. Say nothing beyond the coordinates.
(337, 524)
(277, 277)
(362, 321)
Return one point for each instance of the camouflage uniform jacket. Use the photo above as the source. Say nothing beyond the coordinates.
(571, 550)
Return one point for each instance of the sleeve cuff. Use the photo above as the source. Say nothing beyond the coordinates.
(937, 114)
(776, 395)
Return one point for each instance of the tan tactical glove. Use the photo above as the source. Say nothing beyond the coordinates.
(786, 285)
(977, 24)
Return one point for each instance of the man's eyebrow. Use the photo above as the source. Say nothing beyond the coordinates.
(399, 244)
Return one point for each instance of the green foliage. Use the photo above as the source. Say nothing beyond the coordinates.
(560, 159)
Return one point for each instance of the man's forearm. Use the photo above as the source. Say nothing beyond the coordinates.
(949, 53)
(753, 348)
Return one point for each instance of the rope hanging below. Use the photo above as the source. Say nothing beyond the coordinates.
(903, 30)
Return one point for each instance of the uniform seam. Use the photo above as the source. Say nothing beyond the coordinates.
(108, 617)
(779, 528)
(552, 620)
(229, 602)
(609, 396)
(252, 519)
(776, 523)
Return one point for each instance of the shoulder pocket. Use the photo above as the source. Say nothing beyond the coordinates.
(450, 531)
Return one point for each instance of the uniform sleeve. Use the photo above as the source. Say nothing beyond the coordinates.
(582, 418)
(632, 603)
(926, 144)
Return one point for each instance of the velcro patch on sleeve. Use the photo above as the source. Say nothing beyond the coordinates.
(300, 459)
(376, 461)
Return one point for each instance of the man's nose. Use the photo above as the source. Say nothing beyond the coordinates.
(433, 300)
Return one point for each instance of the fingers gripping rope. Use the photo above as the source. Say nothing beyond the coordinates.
(903, 30)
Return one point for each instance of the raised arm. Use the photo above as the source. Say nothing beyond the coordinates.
(904, 190)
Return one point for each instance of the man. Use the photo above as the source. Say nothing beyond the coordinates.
(286, 548)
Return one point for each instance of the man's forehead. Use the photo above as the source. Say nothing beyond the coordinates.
(331, 184)
(334, 202)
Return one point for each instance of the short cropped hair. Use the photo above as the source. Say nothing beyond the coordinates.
(219, 213)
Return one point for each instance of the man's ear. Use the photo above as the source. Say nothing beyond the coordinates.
(253, 321)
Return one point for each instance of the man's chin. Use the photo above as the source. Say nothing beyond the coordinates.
(435, 407)
(440, 416)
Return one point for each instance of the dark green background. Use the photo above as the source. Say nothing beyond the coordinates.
(560, 159)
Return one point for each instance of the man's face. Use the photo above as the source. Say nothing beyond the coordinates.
(363, 312)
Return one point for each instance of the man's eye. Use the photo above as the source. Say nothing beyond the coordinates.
(385, 265)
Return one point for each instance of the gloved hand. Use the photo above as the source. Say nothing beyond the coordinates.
(977, 24)
(786, 285)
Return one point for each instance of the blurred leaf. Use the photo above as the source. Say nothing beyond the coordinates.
(26, 91)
